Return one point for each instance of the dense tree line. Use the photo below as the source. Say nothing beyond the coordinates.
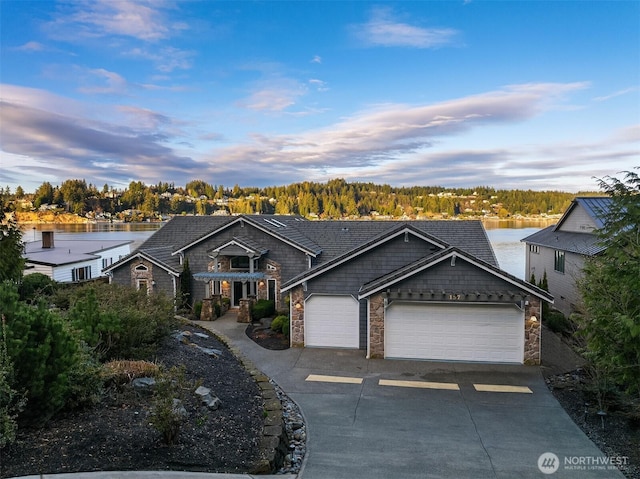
(334, 199)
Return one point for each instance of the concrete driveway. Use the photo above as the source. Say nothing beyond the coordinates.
(417, 419)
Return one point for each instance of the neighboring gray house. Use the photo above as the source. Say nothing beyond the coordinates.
(394, 289)
(560, 250)
(68, 261)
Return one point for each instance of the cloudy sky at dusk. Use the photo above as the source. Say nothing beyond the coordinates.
(539, 95)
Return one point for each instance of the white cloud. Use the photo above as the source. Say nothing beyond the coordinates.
(165, 59)
(616, 94)
(316, 59)
(102, 81)
(384, 30)
(31, 47)
(139, 19)
(275, 95)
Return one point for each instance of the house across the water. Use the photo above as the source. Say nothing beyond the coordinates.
(393, 289)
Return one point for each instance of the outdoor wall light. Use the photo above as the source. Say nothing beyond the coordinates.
(261, 283)
(534, 319)
(225, 282)
(298, 306)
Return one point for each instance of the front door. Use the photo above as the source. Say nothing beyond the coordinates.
(237, 293)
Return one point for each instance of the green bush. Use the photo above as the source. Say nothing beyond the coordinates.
(11, 401)
(121, 322)
(278, 323)
(34, 286)
(217, 309)
(166, 415)
(263, 308)
(197, 309)
(556, 321)
(43, 350)
(285, 327)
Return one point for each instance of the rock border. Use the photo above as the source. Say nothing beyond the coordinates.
(274, 443)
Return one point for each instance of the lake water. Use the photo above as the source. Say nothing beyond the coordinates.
(510, 252)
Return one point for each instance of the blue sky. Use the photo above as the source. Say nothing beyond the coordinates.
(532, 95)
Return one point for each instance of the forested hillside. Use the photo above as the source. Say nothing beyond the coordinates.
(334, 199)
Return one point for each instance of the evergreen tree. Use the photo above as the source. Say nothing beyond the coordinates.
(610, 287)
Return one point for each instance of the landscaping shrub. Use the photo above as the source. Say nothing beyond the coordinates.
(278, 323)
(217, 309)
(556, 321)
(197, 310)
(125, 371)
(86, 380)
(121, 322)
(285, 327)
(34, 286)
(43, 350)
(167, 414)
(11, 401)
(263, 308)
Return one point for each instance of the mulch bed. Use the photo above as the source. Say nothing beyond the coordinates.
(116, 433)
(617, 434)
(265, 337)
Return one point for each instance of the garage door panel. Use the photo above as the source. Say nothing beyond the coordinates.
(486, 333)
(332, 322)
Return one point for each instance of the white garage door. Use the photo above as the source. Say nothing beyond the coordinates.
(476, 332)
(331, 322)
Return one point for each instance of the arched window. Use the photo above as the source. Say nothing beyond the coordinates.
(141, 267)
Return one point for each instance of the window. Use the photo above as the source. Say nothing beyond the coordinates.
(141, 267)
(142, 284)
(81, 274)
(534, 248)
(271, 289)
(106, 262)
(242, 262)
(558, 264)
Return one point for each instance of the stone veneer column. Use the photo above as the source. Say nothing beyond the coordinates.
(532, 332)
(297, 317)
(376, 326)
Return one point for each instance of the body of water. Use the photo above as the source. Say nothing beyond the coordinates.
(510, 252)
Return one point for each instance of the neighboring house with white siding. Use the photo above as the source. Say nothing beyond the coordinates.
(561, 250)
(71, 261)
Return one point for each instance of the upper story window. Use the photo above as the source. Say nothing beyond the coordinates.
(242, 262)
(558, 263)
(534, 248)
(141, 267)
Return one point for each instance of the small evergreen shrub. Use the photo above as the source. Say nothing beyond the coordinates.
(278, 323)
(34, 286)
(197, 310)
(556, 321)
(263, 308)
(285, 327)
(167, 414)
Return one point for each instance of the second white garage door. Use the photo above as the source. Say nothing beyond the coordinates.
(474, 332)
(331, 322)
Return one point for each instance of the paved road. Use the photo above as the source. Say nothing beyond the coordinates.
(416, 419)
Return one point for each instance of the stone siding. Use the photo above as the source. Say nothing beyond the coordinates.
(532, 332)
(376, 326)
(297, 317)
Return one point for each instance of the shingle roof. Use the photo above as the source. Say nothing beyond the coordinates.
(580, 243)
(327, 240)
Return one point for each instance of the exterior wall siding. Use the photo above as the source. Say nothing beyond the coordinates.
(578, 221)
(347, 278)
(291, 260)
(561, 285)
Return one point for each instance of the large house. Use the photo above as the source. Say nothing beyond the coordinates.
(393, 289)
(560, 250)
(69, 261)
